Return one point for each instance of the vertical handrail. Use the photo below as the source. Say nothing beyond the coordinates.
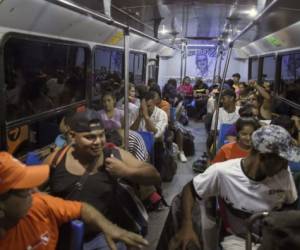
(216, 63)
(220, 63)
(181, 62)
(249, 224)
(219, 99)
(126, 71)
(185, 58)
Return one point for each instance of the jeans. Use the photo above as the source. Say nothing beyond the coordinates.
(99, 243)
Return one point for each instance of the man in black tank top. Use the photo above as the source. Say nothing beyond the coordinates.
(83, 172)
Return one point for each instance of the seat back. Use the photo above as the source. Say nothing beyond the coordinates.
(222, 134)
(149, 142)
(77, 235)
(294, 166)
(33, 158)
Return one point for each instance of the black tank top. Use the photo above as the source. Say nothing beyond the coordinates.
(98, 189)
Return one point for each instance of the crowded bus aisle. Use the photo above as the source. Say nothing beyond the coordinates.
(162, 125)
(170, 189)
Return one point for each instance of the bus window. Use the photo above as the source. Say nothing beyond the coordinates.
(290, 77)
(131, 67)
(254, 69)
(139, 68)
(108, 75)
(269, 69)
(51, 77)
(116, 62)
(136, 68)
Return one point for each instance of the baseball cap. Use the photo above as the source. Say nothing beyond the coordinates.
(277, 140)
(16, 175)
(85, 121)
(228, 92)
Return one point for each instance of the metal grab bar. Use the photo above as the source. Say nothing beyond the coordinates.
(249, 224)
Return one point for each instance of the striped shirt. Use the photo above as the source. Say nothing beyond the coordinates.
(137, 147)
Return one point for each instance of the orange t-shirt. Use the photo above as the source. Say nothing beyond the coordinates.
(230, 151)
(40, 227)
(165, 106)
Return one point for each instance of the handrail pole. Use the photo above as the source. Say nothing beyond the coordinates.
(126, 71)
(216, 64)
(219, 99)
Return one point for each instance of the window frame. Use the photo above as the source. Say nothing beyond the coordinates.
(6, 125)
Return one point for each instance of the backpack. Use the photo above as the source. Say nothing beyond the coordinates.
(173, 221)
(280, 231)
(169, 165)
(131, 212)
(188, 144)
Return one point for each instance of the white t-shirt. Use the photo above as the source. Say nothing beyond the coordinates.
(228, 181)
(160, 121)
(225, 117)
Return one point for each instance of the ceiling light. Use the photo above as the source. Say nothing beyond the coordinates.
(201, 45)
(228, 40)
(163, 31)
(251, 13)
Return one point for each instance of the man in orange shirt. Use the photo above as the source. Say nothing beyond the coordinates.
(162, 104)
(31, 221)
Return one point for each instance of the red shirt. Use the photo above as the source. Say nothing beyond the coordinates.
(186, 89)
(40, 227)
(230, 151)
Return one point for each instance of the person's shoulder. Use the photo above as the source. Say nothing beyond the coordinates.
(133, 135)
(120, 111)
(40, 203)
(40, 197)
(227, 166)
(159, 111)
(229, 146)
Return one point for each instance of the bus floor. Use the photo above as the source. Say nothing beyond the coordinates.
(171, 189)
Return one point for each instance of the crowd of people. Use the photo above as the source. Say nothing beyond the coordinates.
(248, 174)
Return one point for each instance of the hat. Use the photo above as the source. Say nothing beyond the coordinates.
(228, 92)
(275, 139)
(16, 175)
(85, 121)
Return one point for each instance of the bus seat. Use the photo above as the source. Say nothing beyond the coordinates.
(294, 166)
(222, 135)
(173, 114)
(33, 158)
(149, 142)
(190, 103)
(77, 235)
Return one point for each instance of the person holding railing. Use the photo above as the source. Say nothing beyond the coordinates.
(260, 182)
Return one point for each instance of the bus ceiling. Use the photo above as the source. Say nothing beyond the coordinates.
(168, 23)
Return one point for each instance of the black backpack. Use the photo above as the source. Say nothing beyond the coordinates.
(281, 231)
(169, 165)
(188, 144)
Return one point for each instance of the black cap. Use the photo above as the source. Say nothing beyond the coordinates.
(85, 121)
(228, 92)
